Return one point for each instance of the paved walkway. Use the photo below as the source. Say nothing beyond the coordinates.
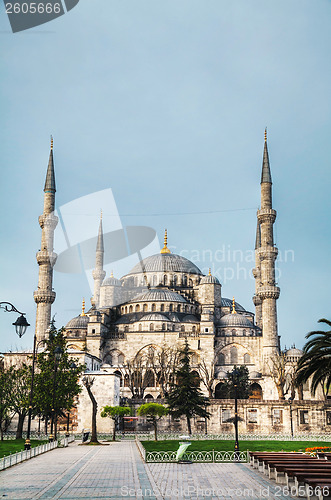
(116, 471)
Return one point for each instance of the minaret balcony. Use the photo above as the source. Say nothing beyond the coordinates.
(44, 296)
(48, 221)
(268, 253)
(268, 292)
(257, 300)
(266, 215)
(44, 257)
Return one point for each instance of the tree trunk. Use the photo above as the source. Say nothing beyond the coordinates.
(1, 432)
(189, 425)
(300, 392)
(94, 437)
(19, 430)
(280, 389)
(114, 430)
(155, 429)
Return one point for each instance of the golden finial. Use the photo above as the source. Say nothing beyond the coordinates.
(83, 308)
(265, 134)
(233, 307)
(165, 249)
(51, 142)
(209, 273)
(112, 274)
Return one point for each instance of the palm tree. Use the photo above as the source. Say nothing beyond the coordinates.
(316, 359)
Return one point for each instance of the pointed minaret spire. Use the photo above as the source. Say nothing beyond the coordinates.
(44, 296)
(98, 273)
(266, 173)
(83, 308)
(50, 176)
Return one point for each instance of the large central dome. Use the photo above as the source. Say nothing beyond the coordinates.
(165, 262)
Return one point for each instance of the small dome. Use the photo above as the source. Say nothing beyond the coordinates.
(209, 279)
(159, 295)
(294, 352)
(78, 322)
(228, 303)
(221, 374)
(236, 320)
(154, 317)
(111, 281)
(165, 262)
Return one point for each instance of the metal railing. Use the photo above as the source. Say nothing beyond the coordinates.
(21, 456)
(211, 456)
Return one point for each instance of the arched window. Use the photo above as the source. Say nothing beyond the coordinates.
(163, 326)
(170, 308)
(120, 376)
(175, 280)
(173, 328)
(153, 307)
(178, 308)
(256, 391)
(165, 279)
(182, 328)
(126, 380)
(120, 359)
(154, 280)
(126, 329)
(145, 307)
(149, 379)
(221, 391)
(196, 378)
(191, 283)
(221, 359)
(193, 329)
(140, 327)
(162, 307)
(148, 396)
(151, 327)
(185, 280)
(247, 359)
(233, 355)
(244, 333)
(126, 309)
(185, 309)
(131, 309)
(233, 332)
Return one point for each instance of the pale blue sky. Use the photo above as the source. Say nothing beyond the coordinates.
(166, 103)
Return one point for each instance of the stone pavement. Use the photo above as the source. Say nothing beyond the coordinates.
(116, 471)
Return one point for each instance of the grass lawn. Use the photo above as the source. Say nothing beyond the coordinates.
(10, 446)
(219, 445)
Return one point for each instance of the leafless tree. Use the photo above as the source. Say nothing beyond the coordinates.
(163, 361)
(88, 383)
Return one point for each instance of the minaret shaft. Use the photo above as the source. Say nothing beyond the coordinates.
(267, 292)
(98, 273)
(44, 296)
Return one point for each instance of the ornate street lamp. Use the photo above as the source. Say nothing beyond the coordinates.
(57, 356)
(236, 443)
(21, 323)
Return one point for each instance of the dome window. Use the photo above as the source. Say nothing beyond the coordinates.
(140, 327)
(153, 307)
(137, 308)
(165, 279)
(170, 308)
(151, 327)
(131, 309)
(162, 307)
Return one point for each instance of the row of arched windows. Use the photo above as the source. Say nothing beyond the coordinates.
(166, 280)
(239, 332)
(186, 308)
(170, 327)
(233, 357)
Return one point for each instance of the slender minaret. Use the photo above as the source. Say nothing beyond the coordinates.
(98, 273)
(257, 275)
(44, 296)
(268, 292)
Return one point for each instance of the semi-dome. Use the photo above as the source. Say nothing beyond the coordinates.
(228, 303)
(154, 317)
(159, 295)
(236, 320)
(77, 322)
(165, 262)
(189, 318)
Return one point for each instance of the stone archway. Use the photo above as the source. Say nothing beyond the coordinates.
(256, 391)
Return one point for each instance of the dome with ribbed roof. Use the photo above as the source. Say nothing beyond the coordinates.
(235, 320)
(79, 322)
(294, 352)
(165, 262)
(209, 279)
(159, 295)
(154, 317)
(111, 281)
(228, 303)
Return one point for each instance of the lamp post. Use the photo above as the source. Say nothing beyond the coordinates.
(206, 403)
(290, 400)
(236, 443)
(72, 367)
(57, 356)
(21, 323)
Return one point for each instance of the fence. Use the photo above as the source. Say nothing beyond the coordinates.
(211, 456)
(230, 437)
(23, 455)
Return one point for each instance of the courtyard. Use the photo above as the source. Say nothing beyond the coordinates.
(117, 471)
